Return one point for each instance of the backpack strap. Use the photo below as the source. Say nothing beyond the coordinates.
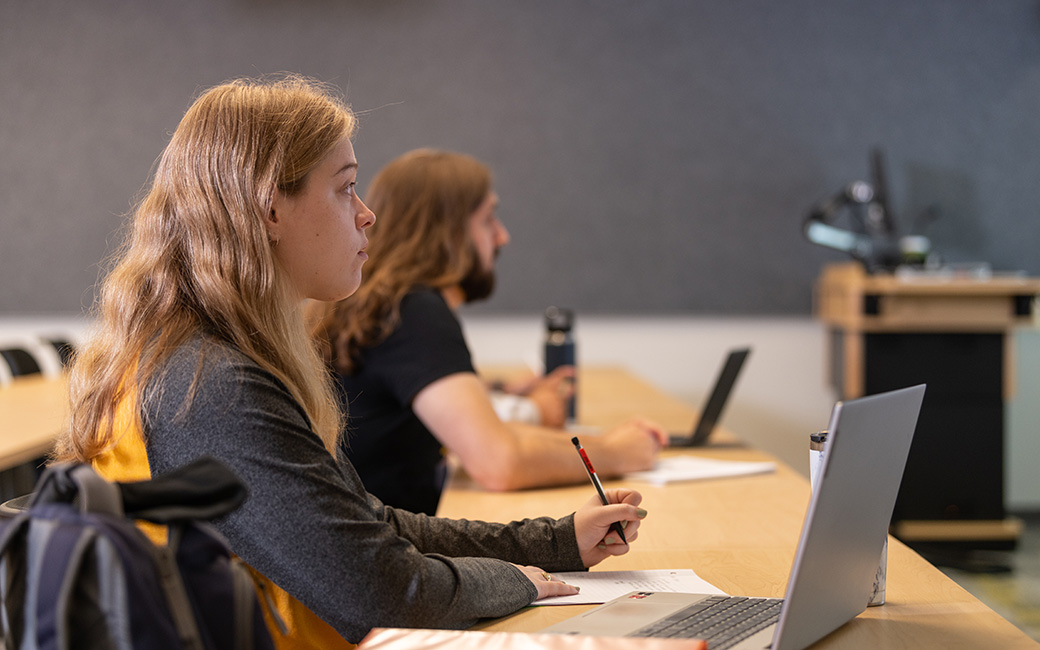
(245, 604)
(78, 483)
(59, 559)
(176, 594)
(12, 582)
(94, 493)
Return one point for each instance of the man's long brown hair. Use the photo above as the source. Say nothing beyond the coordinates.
(423, 201)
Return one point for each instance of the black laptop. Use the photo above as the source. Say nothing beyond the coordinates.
(712, 410)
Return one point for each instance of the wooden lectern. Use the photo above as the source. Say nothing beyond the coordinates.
(952, 332)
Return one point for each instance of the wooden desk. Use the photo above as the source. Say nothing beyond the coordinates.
(33, 411)
(739, 534)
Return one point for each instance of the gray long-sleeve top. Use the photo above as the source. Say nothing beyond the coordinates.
(310, 526)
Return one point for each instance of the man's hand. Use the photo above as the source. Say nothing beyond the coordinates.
(552, 394)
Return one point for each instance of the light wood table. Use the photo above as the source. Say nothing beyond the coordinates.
(33, 411)
(739, 534)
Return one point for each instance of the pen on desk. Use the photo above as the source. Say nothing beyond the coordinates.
(616, 527)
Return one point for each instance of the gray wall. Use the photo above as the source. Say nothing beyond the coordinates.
(652, 157)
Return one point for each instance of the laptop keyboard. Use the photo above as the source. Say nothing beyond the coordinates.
(722, 621)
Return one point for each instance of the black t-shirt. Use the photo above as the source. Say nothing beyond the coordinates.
(398, 459)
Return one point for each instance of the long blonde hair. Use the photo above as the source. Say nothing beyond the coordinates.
(424, 200)
(198, 260)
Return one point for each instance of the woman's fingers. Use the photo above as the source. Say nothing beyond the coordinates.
(546, 583)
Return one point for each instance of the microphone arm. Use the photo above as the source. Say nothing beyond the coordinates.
(875, 251)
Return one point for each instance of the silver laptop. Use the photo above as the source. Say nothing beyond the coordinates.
(712, 410)
(845, 527)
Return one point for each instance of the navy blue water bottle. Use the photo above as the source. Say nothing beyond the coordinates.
(560, 349)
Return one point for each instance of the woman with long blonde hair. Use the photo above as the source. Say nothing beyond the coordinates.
(200, 349)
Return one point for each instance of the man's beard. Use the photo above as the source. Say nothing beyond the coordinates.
(478, 283)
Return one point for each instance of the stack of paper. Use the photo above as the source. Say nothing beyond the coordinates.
(600, 586)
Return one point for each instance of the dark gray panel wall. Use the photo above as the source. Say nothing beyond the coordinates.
(652, 157)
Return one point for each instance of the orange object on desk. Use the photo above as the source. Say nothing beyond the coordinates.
(406, 639)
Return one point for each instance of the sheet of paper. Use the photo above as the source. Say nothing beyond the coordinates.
(694, 468)
(600, 586)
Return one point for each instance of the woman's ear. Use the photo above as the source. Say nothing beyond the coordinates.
(271, 221)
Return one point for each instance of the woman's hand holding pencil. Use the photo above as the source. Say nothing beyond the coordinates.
(609, 521)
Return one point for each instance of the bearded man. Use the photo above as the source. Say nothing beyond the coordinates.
(405, 370)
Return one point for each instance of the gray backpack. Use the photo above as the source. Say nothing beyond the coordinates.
(76, 572)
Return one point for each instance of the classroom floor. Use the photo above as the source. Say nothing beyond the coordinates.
(1007, 581)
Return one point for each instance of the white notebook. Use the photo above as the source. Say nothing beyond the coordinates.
(672, 469)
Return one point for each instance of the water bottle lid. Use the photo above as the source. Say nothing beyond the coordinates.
(559, 320)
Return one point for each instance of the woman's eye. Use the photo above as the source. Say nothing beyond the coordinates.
(350, 189)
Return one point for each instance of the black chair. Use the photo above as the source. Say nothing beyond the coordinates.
(20, 361)
(64, 349)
